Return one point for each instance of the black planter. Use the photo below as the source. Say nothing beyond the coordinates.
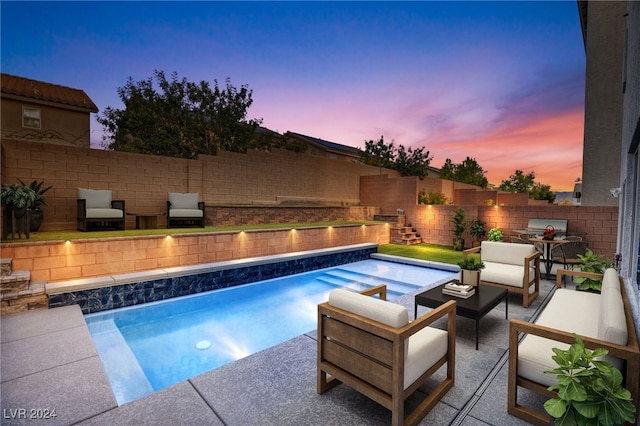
(35, 220)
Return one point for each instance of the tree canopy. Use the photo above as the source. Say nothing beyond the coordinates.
(178, 118)
(408, 161)
(519, 182)
(468, 171)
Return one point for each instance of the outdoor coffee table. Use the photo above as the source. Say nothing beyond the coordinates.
(146, 220)
(475, 307)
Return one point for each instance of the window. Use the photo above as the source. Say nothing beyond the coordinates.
(31, 118)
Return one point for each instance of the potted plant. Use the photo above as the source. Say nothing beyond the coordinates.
(591, 262)
(35, 210)
(495, 234)
(16, 199)
(589, 390)
(477, 231)
(459, 226)
(470, 271)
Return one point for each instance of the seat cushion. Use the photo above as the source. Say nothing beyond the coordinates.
(568, 310)
(503, 273)
(422, 350)
(388, 313)
(104, 214)
(95, 198)
(181, 200)
(185, 213)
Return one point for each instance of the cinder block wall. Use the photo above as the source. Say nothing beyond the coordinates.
(143, 181)
(61, 261)
(600, 223)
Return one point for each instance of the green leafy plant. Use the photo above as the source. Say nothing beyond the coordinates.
(432, 198)
(459, 225)
(17, 196)
(591, 262)
(590, 391)
(495, 234)
(477, 229)
(471, 264)
(39, 190)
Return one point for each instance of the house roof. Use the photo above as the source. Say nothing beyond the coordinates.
(329, 146)
(21, 88)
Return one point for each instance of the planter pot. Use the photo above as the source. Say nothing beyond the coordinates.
(476, 243)
(35, 220)
(470, 277)
(458, 244)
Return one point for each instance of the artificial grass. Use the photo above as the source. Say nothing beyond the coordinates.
(69, 235)
(424, 251)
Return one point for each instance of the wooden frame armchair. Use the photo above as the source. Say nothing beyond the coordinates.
(512, 266)
(387, 363)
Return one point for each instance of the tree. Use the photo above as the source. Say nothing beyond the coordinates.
(179, 118)
(519, 182)
(408, 161)
(469, 171)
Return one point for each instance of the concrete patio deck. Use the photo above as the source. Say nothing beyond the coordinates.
(49, 362)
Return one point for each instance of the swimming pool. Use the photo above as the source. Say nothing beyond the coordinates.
(149, 347)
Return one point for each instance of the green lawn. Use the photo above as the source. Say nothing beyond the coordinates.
(69, 235)
(433, 252)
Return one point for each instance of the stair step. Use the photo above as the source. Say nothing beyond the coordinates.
(17, 281)
(5, 267)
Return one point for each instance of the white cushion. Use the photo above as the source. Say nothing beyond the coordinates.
(180, 200)
(104, 214)
(509, 253)
(185, 213)
(575, 312)
(422, 350)
(612, 324)
(504, 273)
(95, 198)
(388, 313)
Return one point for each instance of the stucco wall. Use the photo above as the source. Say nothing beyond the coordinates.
(58, 126)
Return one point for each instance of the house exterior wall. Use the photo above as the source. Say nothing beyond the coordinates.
(58, 125)
(603, 102)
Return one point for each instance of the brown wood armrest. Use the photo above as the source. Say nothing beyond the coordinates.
(379, 289)
(467, 252)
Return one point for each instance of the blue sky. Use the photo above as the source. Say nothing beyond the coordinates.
(502, 82)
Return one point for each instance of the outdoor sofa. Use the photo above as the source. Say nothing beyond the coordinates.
(602, 321)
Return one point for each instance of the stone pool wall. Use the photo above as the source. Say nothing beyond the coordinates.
(103, 293)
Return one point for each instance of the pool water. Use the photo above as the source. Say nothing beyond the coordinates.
(149, 347)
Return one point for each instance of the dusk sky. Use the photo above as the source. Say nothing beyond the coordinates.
(501, 82)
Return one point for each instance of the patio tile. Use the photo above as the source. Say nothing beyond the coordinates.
(39, 322)
(75, 391)
(176, 405)
(27, 356)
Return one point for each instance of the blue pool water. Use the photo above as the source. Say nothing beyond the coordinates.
(148, 347)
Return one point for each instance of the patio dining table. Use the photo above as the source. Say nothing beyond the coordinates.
(546, 254)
